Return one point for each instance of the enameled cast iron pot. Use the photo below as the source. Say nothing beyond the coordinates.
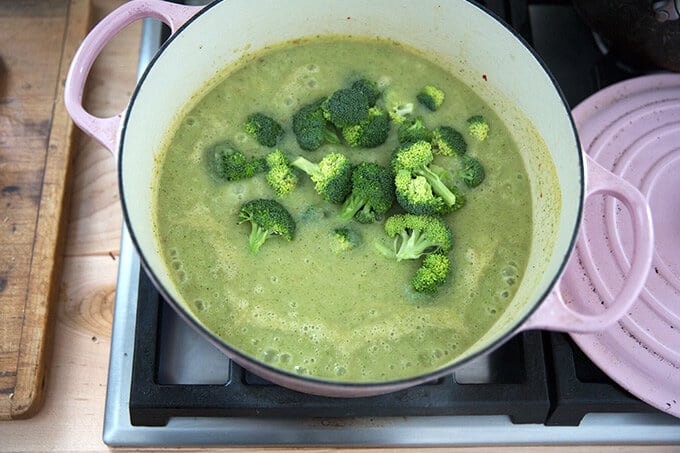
(460, 35)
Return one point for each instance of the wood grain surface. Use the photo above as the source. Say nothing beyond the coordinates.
(71, 418)
(38, 38)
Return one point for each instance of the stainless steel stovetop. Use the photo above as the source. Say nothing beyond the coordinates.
(194, 361)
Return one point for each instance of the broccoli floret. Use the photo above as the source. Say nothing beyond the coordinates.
(277, 158)
(282, 180)
(280, 176)
(448, 142)
(345, 239)
(312, 214)
(448, 179)
(264, 129)
(399, 112)
(369, 133)
(311, 128)
(369, 89)
(415, 236)
(227, 163)
(268, 218)
(478, 127)
(413, 130)
(416, 158)
(414, 194)
(431, 97)
(346, 107)
(472, 172)
(332, 176)
(372, 193)
(432, 274)
(398, 108)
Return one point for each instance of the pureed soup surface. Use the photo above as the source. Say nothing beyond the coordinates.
(300, 306)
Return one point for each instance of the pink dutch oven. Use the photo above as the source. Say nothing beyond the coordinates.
(204, 40)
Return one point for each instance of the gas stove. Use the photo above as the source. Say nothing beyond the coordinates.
(168, 386)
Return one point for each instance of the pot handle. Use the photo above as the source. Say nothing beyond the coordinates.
(555, 313)
(105, 130)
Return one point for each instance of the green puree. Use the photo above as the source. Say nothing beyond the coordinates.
(298, 305)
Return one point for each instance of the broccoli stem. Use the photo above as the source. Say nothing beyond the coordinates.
(438, 186)
(412, 245)
(350, 207)
(258, 236)
(385, 250)
(331, 136)
(308, 167)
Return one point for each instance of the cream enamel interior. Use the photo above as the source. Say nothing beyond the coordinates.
(459, 35)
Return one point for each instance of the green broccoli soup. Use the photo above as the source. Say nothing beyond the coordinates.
(387, 271)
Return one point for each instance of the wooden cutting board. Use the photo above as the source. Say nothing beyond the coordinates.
(37, 41)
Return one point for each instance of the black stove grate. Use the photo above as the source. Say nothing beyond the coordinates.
(536, 377)
(578, 387)
(518, 386)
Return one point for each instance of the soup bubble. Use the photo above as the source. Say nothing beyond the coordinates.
(284, 358)
(312, 68)
(200, 305)
(339, 370)
(510, 274)
(509, 271)
(270, 355)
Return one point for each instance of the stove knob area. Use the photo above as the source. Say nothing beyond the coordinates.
(666, 10)
(642, 35)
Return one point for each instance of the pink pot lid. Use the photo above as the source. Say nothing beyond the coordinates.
(633, 130)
